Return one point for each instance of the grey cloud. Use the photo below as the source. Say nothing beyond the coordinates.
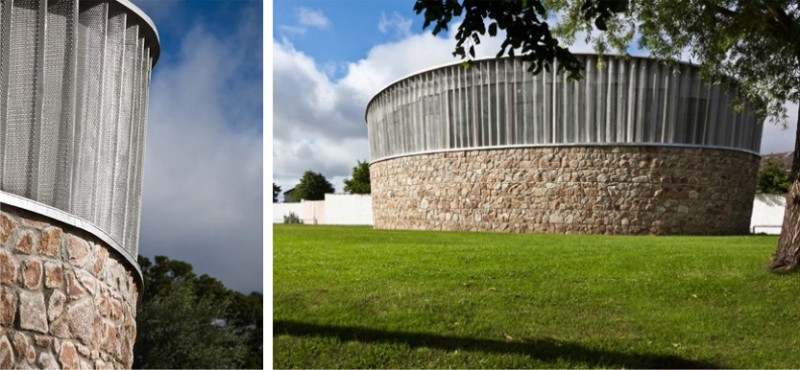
(203, 187)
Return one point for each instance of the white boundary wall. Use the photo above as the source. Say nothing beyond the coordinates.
(336, 209)
(348, 209)
(768, 213)
(313, 212)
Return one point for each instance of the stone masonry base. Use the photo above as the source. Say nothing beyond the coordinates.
(66, 299)
(585, 190)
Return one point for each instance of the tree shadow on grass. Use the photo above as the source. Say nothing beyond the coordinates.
(542, 349)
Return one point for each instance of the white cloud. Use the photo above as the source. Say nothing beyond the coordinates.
(312, 18)
(295, 30)
(395, 23)
(318, 122)
(777, 139)
(203, 189)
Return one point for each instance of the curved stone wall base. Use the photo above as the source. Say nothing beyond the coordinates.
(66, 299)
(582, 189)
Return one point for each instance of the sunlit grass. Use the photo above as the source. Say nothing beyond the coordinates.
(354, 297)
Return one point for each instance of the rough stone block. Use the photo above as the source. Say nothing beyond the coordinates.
(68, 356)
(32, 273)
(47, 361)
(32, 312)
(78, 251)
(25, 243)
(55, 307)
(74, 290)
(8, 306)
(42, 341)
(6, 353)
(99, 262)
(7, 227)
(50, 241)
(20, 342)
(8, 268)
(80, 316)
(54, 275)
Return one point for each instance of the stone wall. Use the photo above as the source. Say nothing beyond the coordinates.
(588, 189)
(66, 299)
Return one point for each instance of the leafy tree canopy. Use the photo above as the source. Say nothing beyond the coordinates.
(276, 190)
(359, 183)
(186, 321)
(528, 35)
(312, 186)
(755, 42)
(772, 178)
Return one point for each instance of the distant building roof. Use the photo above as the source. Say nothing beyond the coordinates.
(785, 158)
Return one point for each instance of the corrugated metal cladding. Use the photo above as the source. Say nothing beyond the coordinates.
(74, 82)
(497, 103)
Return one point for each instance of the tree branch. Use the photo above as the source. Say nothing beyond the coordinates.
(786, 22)
(780, 15)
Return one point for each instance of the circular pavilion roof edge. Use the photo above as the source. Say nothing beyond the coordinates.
(565, 145)
(445, 65)
(150, 30)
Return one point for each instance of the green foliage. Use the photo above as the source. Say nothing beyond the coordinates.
(186, 321)
(772, 178)
(180, 330)
(312, 186)
(524, 21)
(359, 184)
(292, 218)
(276, 190)
(246, 315)
(354, 297)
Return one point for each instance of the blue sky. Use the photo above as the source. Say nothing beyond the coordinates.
(329, 57)
(350, 31)
(203, 180)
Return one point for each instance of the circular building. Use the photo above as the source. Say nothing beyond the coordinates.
(74, 81)
(635, 147)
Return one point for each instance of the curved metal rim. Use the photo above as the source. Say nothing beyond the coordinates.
(442, 66)
(156, 49)
(567, 145)
(74, 221)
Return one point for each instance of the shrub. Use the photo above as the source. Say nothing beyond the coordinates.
(291, 218)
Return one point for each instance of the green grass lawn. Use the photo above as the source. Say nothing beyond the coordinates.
(354, 297)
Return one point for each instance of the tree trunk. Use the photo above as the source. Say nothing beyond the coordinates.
(787, 257)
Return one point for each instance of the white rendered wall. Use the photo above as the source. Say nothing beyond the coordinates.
(336, 209)
(348, 209)
(313, 212)
(282, 209)
(768, 213)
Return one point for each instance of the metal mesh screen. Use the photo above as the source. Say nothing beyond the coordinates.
(73, 105)
(497, 103)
